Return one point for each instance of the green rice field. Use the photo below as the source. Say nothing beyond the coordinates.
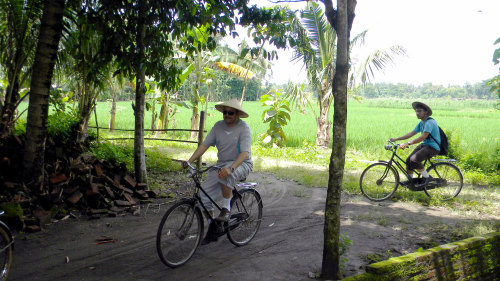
(474, 126)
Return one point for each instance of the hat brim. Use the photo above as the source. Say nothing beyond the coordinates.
(242, 113)
(427, 108)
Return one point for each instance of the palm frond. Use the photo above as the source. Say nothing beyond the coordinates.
(377, 61)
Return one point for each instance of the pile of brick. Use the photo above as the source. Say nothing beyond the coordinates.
(73, 183)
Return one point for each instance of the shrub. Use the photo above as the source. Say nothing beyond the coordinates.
(62, 127)
(114, 153)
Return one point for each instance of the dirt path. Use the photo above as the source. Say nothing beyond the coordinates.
(288, 246)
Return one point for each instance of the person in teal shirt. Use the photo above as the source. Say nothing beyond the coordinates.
(428, 146)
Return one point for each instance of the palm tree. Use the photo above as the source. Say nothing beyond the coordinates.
(316, 48)
(38, 109)
(19, 22)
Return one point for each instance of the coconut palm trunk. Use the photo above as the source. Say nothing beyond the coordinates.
(38, 109)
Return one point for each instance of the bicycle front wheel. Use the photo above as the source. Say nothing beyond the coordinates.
(6, 254)
(179, 233)
(447, 181)
(378, 182)
(246, 216)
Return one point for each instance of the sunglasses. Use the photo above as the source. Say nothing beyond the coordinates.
(230, 113)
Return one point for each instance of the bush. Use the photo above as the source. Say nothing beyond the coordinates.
(62, 127)
(114, 153)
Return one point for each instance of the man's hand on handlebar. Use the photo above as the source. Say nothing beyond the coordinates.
(186, 164)
(404, 145)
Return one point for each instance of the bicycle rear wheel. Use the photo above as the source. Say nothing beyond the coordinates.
(378, 182)
(246, 216)
(179, 233)
(447, 181)
(5, 254)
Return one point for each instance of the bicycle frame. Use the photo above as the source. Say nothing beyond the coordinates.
(396, 160)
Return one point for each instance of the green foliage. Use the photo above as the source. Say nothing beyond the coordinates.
(344, 244)
(59, 99)
(158, 161)
(20, 127)
(425, 91)
(62, 126)
(277, 114)
(113, 153)
(494, 84)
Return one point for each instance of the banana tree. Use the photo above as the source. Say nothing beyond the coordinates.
(315, 46)
(244, 63)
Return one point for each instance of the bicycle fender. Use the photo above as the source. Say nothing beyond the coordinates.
(7, 229)
(380, 161)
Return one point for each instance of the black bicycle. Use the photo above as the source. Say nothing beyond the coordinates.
(6, 249)
(380, 180)
(181, 228)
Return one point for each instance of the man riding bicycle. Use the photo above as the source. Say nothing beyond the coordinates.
(429, 147)
(232, 137)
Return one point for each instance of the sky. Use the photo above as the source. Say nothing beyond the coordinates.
(448, 42)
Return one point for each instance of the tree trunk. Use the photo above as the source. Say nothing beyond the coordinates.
(139, 155)
(196, 116)
(164, 111)
(38, 109)
(244, 88)
(323, 124)
(194, 122)
(85, 106)
(113, 110)
(341, 20)
(9, 105)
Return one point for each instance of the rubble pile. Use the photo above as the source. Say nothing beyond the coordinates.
(75, 181)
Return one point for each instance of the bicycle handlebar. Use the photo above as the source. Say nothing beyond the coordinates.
(201, 171)
(392, 146)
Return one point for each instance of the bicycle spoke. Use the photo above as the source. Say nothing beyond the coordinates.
(378, 182)
(246, 216)
(179, 234)
(447, 181)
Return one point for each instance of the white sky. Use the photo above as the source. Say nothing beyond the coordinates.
(449, 42)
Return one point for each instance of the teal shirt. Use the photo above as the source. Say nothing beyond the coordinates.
(429, 125)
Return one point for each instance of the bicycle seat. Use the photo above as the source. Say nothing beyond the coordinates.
(247, 184)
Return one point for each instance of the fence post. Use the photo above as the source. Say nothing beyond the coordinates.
(200, 135)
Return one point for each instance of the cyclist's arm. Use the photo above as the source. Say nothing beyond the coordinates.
(225, 172)
(198, 153)
(417, 140)
(421, 138)
(406, 136)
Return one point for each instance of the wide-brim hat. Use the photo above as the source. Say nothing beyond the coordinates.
(233, 103)
(421, 104)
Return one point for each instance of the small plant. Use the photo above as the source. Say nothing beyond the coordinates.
(59, 99)
(277, 114)
(344, 245)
